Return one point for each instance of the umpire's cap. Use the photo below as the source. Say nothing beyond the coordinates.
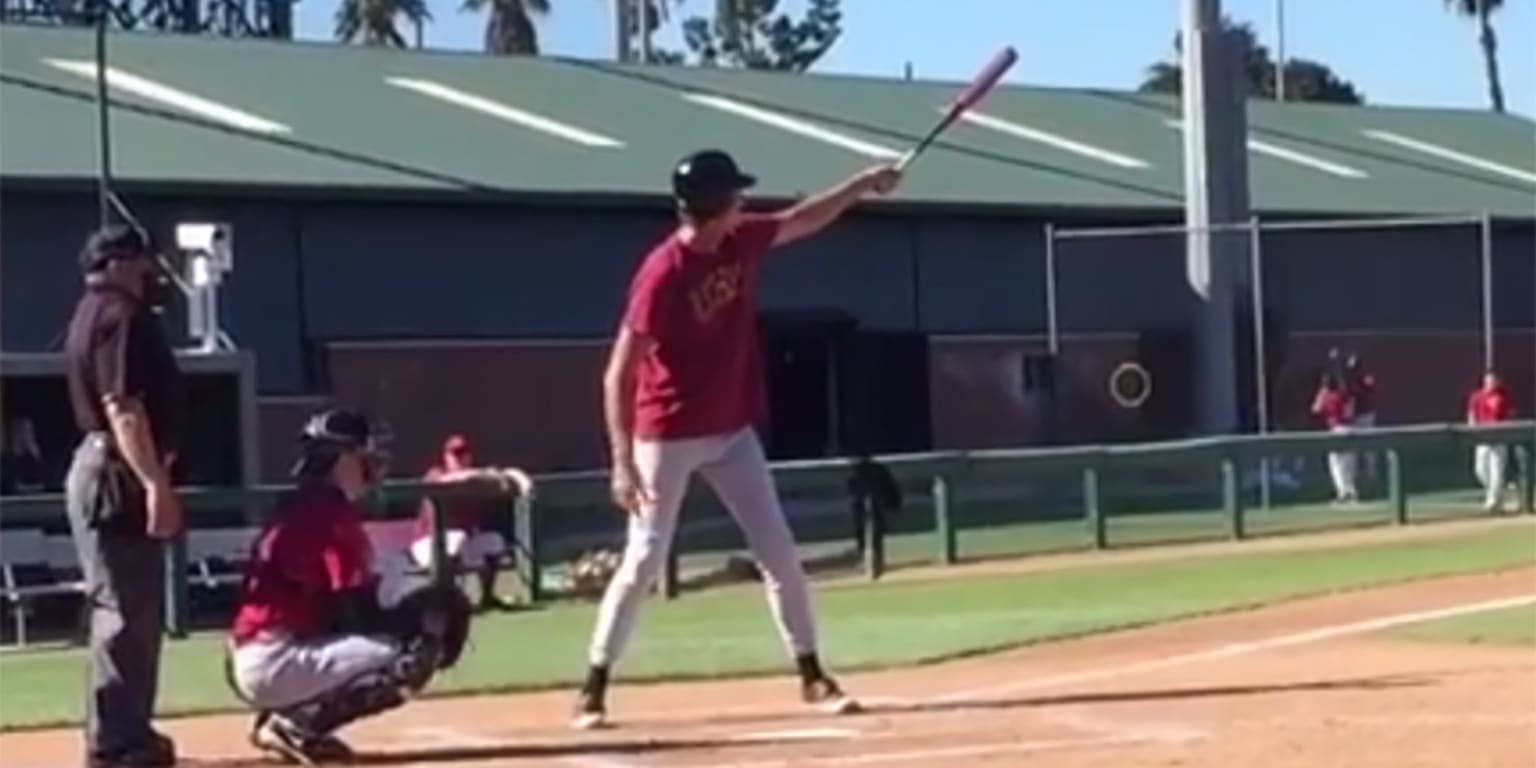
(705, 181)
(330, 433)
(111, 243)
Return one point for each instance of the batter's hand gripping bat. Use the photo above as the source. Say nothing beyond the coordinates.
(968, 98)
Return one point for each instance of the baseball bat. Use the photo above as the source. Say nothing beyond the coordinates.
(970, 97)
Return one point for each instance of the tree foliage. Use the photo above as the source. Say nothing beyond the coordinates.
(757, 34)
(1482, 11)
(509, 26)
(1305, 80)
(372, 22)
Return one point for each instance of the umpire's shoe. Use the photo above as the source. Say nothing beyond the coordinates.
(157, 752)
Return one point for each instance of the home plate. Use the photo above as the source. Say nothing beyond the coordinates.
(804, 734)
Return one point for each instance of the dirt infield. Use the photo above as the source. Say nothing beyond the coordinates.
(1304, 684)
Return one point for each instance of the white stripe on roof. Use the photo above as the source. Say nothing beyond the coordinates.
(1294, 156)
(1300, 158)
(1028, 133)
(793, 125)
(502, 111)
(172, 97)
(1446, 153)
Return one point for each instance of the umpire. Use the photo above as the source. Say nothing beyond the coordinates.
(125, 391)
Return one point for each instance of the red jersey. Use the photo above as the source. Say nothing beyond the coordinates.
(315, 549)
(703, 375)
(1486, 406)
(463, 514)
(1364, 393)
(1333, 406)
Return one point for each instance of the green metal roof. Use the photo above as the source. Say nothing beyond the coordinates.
(327, 117)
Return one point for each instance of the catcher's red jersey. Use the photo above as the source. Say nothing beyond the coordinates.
(315, 548)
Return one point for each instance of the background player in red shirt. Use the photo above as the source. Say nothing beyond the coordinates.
(682, 392)
(1333, 405)
(1489, 404)
(1362, 393)
(312, 649)
(468, 541)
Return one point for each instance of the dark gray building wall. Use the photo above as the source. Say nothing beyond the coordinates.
(314, 270)
(41, 234)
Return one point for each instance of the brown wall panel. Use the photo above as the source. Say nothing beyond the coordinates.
(536, 405)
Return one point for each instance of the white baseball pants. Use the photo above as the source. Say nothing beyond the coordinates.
(1342, 466)
(473, 550)
(1490, 463)
(735, 467)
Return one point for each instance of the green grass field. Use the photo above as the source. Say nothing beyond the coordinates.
(727, 631)
(1512, 627)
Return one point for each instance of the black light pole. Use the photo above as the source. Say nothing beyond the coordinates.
(104, 134)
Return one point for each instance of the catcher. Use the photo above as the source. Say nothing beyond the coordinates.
(312, 648)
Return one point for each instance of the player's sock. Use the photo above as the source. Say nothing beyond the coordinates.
(809, 665)
(597, 680)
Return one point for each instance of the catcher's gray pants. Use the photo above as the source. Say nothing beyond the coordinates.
(734, 466)
(275, 672)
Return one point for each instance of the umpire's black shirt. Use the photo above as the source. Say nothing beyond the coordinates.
(116, 346)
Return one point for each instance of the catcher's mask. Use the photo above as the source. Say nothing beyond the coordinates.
(331, 434)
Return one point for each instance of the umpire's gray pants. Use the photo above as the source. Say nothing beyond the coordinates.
(124, 575)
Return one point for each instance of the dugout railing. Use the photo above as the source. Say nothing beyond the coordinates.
(944, 484)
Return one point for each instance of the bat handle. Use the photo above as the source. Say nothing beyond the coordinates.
(906, 160)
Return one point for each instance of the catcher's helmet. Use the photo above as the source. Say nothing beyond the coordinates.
(329, 434)
(706, 181)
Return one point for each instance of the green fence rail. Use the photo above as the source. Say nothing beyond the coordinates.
(945, 479)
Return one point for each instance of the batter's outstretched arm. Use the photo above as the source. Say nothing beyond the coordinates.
(815, 213)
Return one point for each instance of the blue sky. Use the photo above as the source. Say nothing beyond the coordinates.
(1399, 52)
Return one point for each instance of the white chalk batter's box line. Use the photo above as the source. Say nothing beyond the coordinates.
(1097, 732)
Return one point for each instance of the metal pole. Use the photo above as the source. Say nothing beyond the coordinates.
(1487, 245)
(1053, 341)
(643, 11)
(104, 136)
(621, 30)
(1280, 50)
(1260, 362)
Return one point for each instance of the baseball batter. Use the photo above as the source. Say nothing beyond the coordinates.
(682, 391)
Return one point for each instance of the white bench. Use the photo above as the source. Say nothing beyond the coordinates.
(230, 546)
(27, 548)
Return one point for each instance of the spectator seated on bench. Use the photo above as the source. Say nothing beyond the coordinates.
(468, 542)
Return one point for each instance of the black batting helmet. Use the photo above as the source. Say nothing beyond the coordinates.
(706, 181)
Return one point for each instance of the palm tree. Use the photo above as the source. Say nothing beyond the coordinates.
(510, 28)
(1482, 10)
(372, 22)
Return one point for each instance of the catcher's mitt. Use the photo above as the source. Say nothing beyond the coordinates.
(591, 571)
(440, 611)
